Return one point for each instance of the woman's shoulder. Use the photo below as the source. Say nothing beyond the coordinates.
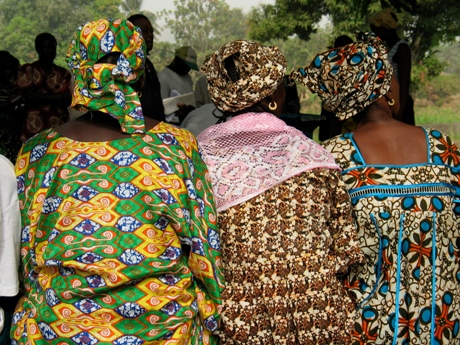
(172, 134)
(342, 149)
(339, 143)
(443, 149)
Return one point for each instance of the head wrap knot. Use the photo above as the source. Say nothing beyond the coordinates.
(349, 78)
(260, 69)
(108, 87)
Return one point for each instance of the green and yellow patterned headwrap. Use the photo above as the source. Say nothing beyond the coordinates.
(108, 87)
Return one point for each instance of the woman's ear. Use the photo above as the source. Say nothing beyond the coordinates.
(277, 99)
(392, 96)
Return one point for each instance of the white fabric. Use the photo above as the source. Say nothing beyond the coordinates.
(171, 81)
(201, 118)
(253, 152)
(10, 229)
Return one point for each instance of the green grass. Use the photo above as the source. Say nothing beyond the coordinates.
(445, 119)
(432, 114)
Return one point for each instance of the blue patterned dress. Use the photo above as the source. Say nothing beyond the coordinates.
(407, 291)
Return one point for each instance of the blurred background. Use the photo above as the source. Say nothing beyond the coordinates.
(301, 28)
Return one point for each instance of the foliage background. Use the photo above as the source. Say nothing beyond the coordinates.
(298, 27)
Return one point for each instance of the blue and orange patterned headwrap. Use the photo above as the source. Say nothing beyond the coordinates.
(109, 87)
(349, 78)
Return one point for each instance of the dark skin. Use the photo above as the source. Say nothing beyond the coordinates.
(180, 67)
(97, 127)
(46, 55)
(147, 32)
(384, 140)
(279, 96)
(404, 60)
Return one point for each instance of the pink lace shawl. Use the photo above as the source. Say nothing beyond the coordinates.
(251, 153)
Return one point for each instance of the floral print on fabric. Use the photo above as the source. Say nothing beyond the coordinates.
(296, 238)
(349, 78)
(407, 290)
(107, 232)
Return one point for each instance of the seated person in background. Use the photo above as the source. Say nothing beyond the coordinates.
(46, 88)
(201, 118)
(152, 103)
(10, 242)
(119, 242)
(175, 79)
(10, 114)
(201, 92)
(206, 114)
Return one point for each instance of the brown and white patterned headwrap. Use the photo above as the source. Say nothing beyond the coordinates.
(261, 69)
(349, 78)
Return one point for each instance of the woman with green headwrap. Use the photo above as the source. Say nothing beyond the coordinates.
(119, 239)
(403, 182)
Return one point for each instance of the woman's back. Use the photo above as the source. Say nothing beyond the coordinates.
(114, 234)
(408, 223)
(391, 143)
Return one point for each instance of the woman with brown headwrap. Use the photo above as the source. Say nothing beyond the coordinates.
(119, 240)
(404, 185)
(284, 215)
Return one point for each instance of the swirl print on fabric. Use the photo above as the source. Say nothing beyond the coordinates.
(119, 241)
(108, 87)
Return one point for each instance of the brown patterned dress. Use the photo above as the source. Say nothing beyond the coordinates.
(282, 252)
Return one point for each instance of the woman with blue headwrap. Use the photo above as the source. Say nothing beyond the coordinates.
(404, 184)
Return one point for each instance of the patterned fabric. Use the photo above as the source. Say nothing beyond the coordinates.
(296, 237)
(349, 78)
(119, 241)
(261, 69)
(108, 87)
(408, 218)
(42, 116)
(253, 152)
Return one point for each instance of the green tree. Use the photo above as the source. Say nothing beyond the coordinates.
(425, 23)
(206, 24)
(22, 20)
(286, 18)
(130, 7)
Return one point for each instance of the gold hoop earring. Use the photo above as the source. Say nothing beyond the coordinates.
(272, 107)
(391, 102)
(139, 94)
